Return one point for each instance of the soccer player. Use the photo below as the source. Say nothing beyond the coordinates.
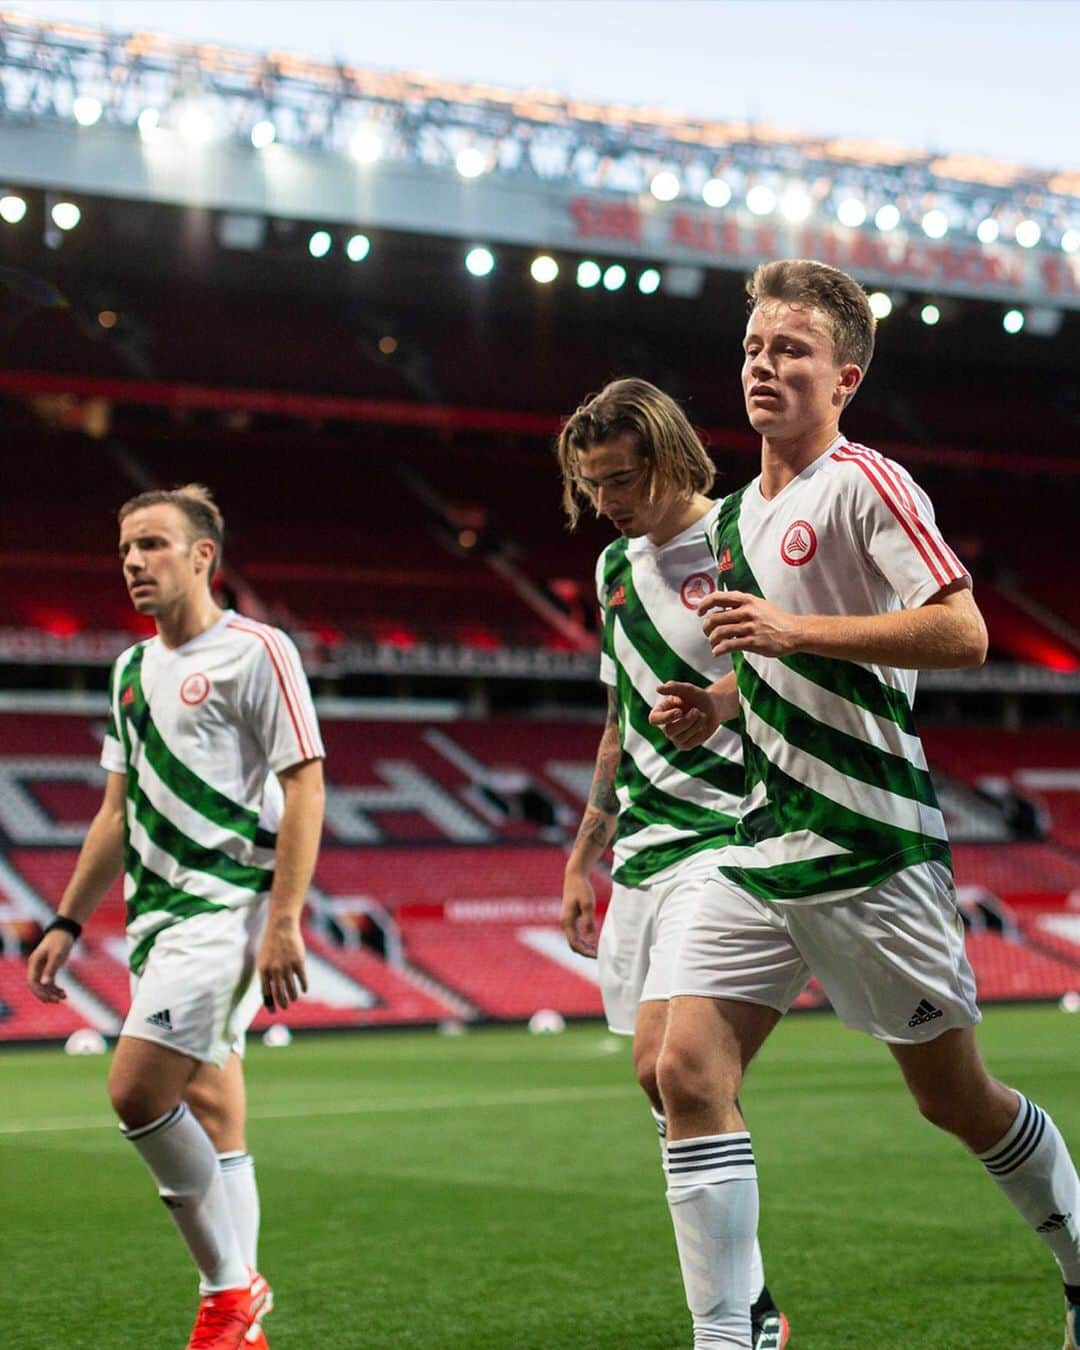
(213, 810)
(836, 588)
(631, 455)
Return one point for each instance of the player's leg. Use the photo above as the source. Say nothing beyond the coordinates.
(1016, 1141)
(737, 947)
(147, 1082)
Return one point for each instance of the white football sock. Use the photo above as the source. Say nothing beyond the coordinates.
(1032, 1166)
(238, 1173)
(661, 1130)
(181, 1157)
(757, 1273)
(713, 1198)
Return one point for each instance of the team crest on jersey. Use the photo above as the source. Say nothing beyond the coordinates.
(799, 543)
(695, 588)
(195, 689)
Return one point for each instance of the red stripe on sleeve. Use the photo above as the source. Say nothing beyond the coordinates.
(295, 714)
(901, 515)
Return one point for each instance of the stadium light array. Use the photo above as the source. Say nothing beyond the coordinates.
(365, 145)
(935, 223)
(480, 261)
(851, 212)
(65, 215)
(649, 281)
(930, 315)
(588, 274)
(12, 208)
(796, 204)
(665, 186)
(716, 192)
(887, 217)
(881, 305)
(614, 277)
(544, 269)
(320, 243)
(470, 162)
(1013, 320)
(357, 248)
(761, 200)
(987, 230)
(1070, 241)
(263, 133)
(86, 110)
(1028, 233)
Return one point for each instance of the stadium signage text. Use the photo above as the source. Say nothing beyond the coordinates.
(739, 240)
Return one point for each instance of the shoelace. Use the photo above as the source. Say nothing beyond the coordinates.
(212, 1321)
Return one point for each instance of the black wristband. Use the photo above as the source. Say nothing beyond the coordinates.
(65, 925)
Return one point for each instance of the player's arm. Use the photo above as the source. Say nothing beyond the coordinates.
(100, 862)
(594, 834)
(281, 965)
(945, 633)
(688, 714)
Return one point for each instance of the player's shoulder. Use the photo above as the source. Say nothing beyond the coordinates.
(863, 469)
(135, 651)
(611, 554)
(259, 641)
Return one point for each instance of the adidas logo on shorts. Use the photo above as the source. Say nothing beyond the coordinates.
(1054, 1223)
(161, 1019)
(925, 1012)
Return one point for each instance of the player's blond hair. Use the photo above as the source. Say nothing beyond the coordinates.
(801, 281)
(677, 460)
(196, 502)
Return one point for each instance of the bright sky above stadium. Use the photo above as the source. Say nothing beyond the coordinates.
(993, 77)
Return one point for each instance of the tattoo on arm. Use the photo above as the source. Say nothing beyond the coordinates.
(598, 823)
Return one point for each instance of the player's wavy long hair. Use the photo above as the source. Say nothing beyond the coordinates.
(196, 501)
(679, 464)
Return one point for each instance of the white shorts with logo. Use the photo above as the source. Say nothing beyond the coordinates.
(640, 939)
(198, 991)
(891, 960)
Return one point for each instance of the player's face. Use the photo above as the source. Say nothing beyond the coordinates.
(163, 566)
(791, 381)
(617, 477)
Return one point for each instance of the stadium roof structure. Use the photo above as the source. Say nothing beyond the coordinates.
(146, 117)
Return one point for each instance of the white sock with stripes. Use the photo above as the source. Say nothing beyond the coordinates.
(1032, 1166)
(181, 1157)
(661, 1130)
(713, 1198)
(238, 1173)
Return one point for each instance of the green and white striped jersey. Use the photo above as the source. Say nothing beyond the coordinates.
(839, 794)
(672, 803)
(200, 731)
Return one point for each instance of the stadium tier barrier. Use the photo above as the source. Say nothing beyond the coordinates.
(436, 898)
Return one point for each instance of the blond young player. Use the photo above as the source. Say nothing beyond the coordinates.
(631, 455)
(836, 588)
(213, 810)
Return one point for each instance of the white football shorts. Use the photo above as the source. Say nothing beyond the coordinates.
(640, 938)
(198, 992)
(891, 960)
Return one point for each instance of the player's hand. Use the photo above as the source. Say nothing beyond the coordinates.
(686, 714)
(280, 963)
(45, 963)
(578, 917)
(734, 621)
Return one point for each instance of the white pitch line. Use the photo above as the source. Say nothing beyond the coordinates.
(525, 1097)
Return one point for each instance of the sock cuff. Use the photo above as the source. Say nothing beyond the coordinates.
(713, 1157)
(237, 1157)
(162, 1123)
(1019, 1141)
(661, 1122)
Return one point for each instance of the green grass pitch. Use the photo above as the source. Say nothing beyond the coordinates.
(500, 1191)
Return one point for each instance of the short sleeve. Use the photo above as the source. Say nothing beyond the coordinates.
(278, 702)
(607, 660)
(896, 521)
(113, 758)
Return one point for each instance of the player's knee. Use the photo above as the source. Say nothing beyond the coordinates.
(689, 1082)
(946, 1111)
(135, 1102)
(645, 1068)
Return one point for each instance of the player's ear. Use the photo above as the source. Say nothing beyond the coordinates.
(203, 551)
(848, 380)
